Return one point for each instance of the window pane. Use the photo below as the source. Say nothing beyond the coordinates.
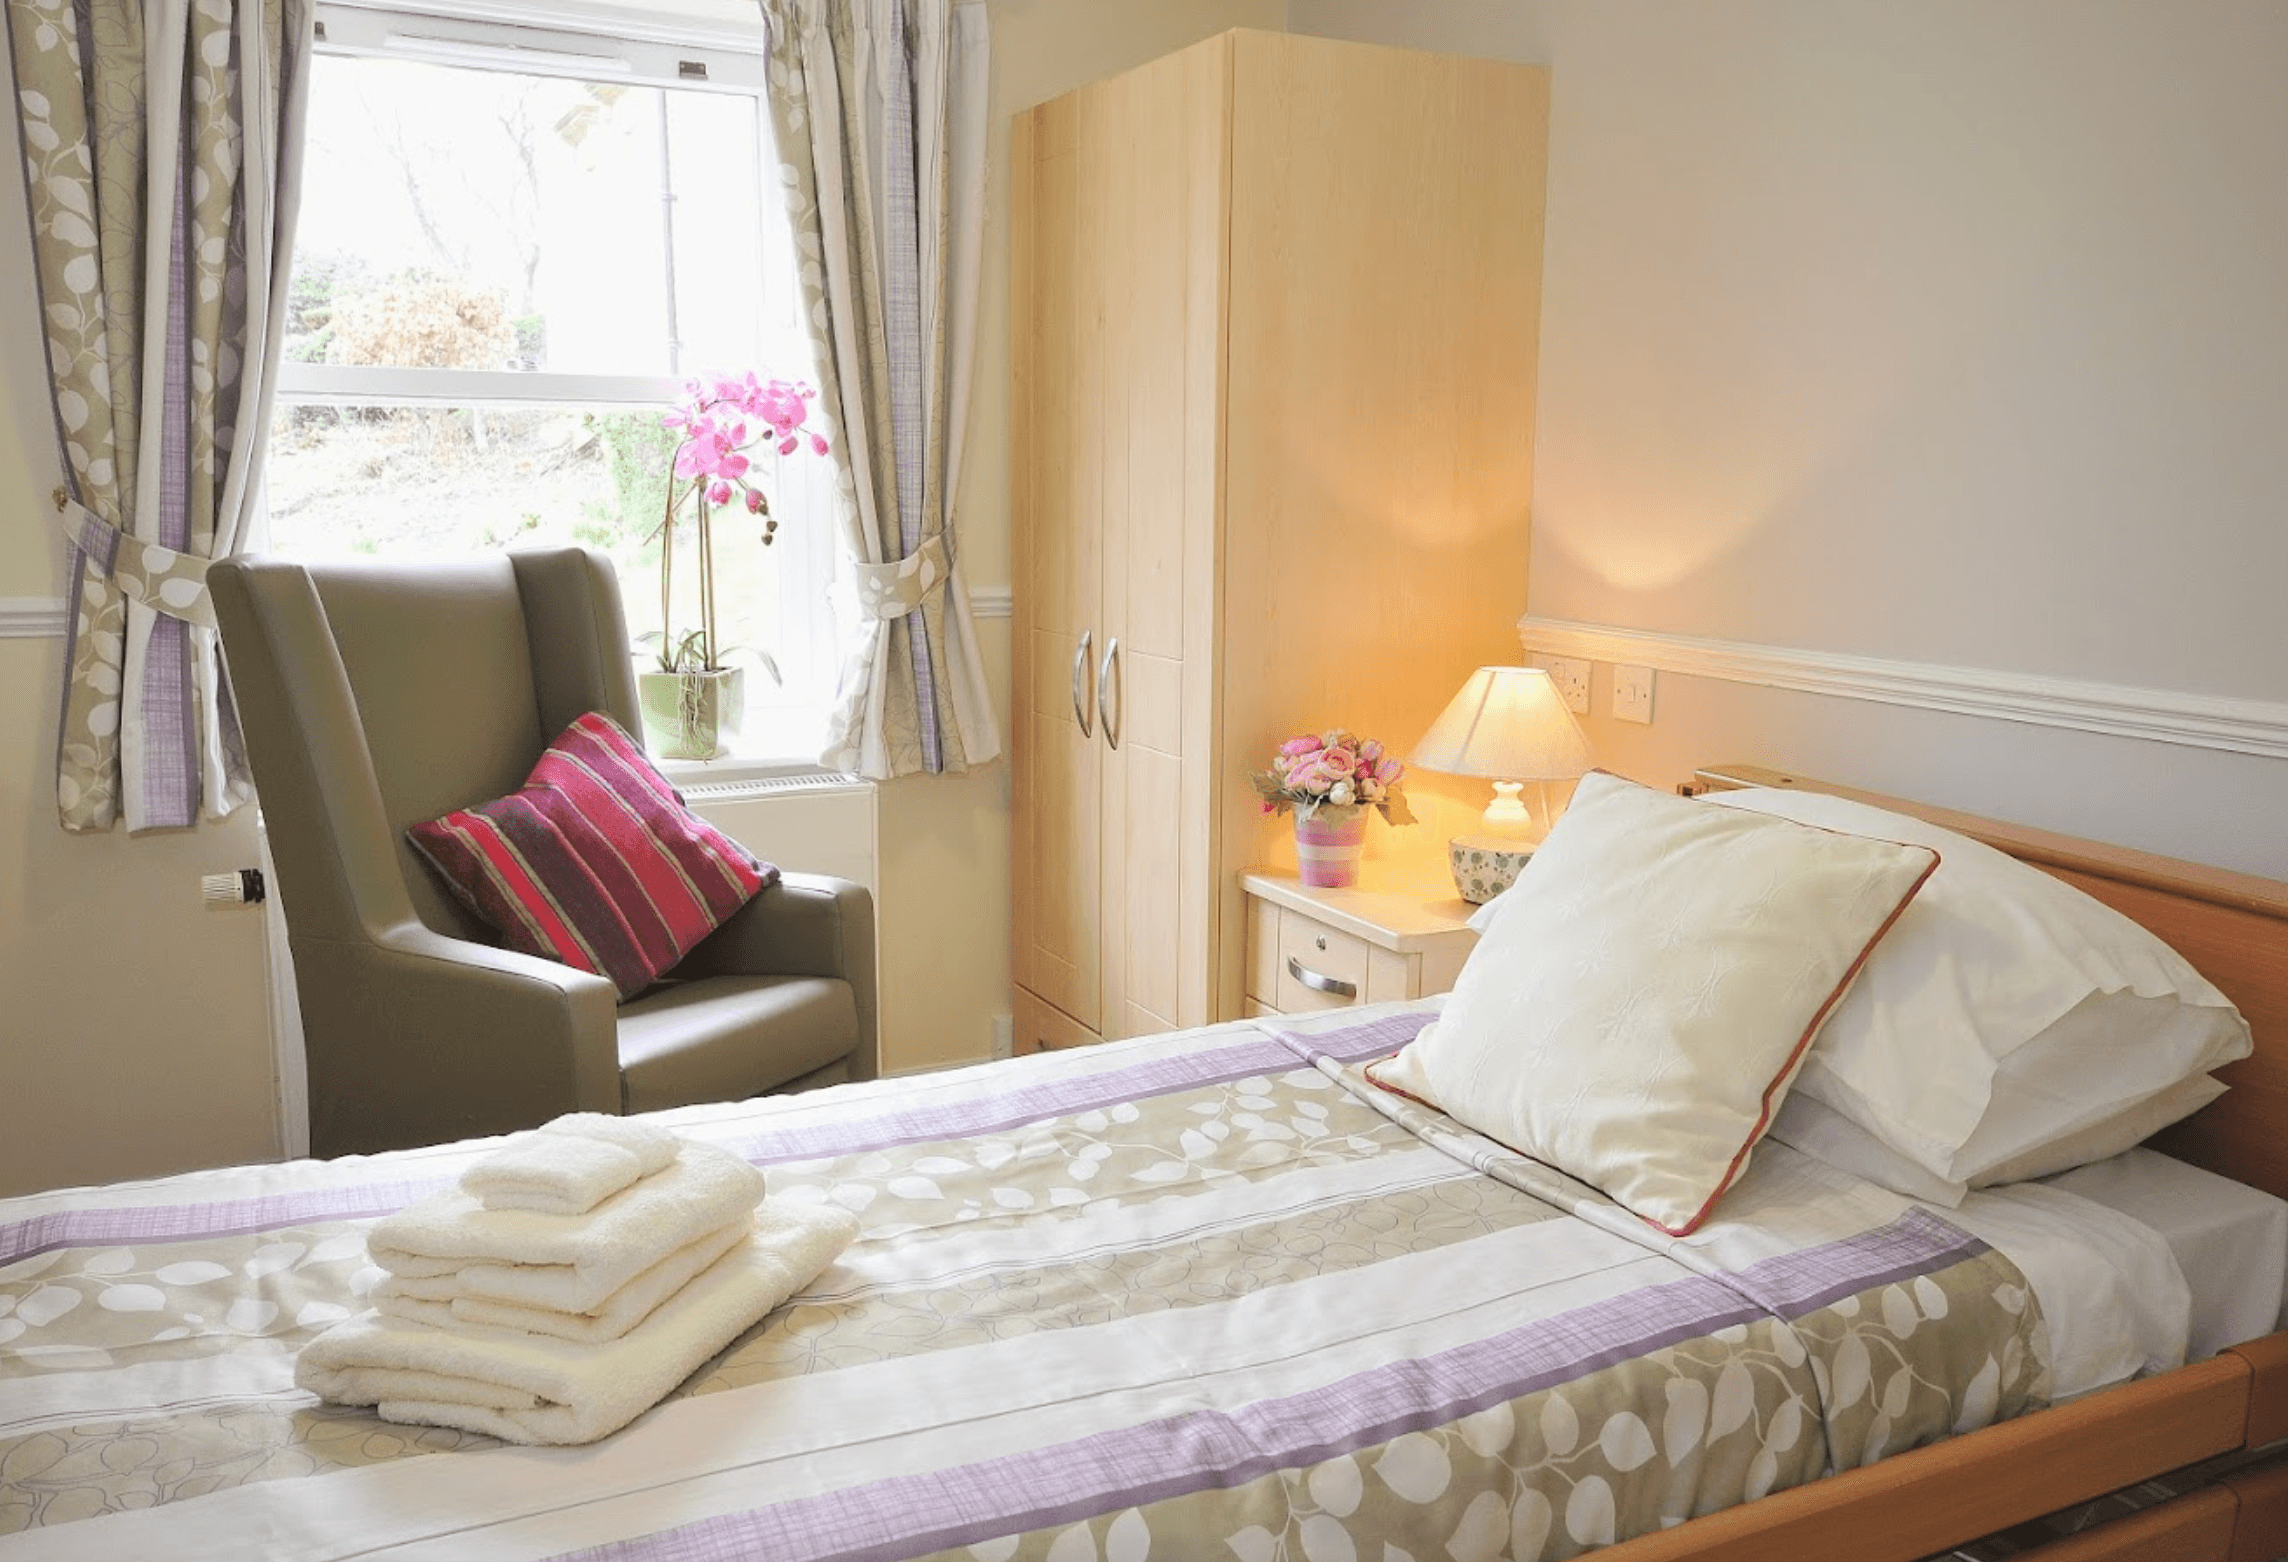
(458, 217)
(420, 482)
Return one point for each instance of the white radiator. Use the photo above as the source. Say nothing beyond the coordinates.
(803, 823)
(811, 823)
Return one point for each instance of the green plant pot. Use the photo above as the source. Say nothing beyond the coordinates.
(692, 715)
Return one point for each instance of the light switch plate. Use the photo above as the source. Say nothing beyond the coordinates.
(1572, 679)
(1632, 694)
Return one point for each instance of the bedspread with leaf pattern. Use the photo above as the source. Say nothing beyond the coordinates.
(1204, 1295)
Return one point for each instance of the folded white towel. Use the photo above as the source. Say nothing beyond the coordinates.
(558, 1171)
(647, 1142)
(392, 1302)
(625, 1308)
(442, 1304)
(568, 1262)
(578, 1393)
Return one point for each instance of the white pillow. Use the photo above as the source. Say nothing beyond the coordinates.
(1819, 1130)
(1807, 1125)
(1636, 1011)
(2008, 1019)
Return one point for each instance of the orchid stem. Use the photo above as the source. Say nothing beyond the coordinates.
(667, 579)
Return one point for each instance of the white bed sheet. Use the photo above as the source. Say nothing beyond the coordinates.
(2141, 1263)
(2112, 1292)
(2230, 1240)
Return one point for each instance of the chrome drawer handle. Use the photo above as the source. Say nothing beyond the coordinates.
(1320, 984)
(1080, 685)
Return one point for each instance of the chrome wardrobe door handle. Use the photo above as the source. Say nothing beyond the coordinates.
(1320, 984)
(1105, 689)
(1080, 685)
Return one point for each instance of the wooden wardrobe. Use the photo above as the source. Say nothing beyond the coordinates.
(1275, 308)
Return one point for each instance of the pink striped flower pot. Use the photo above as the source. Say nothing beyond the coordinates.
(1328, 845)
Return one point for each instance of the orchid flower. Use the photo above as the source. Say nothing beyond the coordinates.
(719, 420)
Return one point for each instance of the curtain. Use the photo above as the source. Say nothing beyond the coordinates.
(879, 110)
(162, 144)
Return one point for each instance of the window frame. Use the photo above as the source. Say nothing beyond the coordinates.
(639, 55)
(561, 38)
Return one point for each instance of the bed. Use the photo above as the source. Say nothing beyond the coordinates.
(1203, 1294)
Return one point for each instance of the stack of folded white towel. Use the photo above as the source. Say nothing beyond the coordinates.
(571, 1280)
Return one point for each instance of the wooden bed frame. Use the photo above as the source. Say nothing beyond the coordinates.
(2234, 928)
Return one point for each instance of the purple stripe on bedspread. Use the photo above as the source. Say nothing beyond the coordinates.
(989, 1110)
(183, 1222)
(1360, 1042)
(999, 1110)
(1794, 1284)
(914, 1515)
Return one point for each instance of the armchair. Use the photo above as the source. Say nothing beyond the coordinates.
(377, 696)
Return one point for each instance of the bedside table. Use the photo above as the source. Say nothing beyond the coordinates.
(1393, 936)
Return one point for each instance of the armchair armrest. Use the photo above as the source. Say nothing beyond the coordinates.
(806, 924)
(417, 1038)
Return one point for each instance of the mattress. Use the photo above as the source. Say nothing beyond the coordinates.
(1197, 1294)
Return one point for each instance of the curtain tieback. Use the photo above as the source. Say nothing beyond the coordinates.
(162, 579)
(894, 590)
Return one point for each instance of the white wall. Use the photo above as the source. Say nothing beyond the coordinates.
(1948, 332)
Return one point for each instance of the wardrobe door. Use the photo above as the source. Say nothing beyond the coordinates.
(1163, 264)
(1059, 155)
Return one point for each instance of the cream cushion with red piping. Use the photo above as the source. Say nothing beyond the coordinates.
(1635, 1013)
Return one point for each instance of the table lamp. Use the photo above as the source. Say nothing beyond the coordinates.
(1510, 725)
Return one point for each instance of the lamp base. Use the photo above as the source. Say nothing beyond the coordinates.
(1485, 865)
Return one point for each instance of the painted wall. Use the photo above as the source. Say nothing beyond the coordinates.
(1948, 332)
(133, 1034)
(132, 1030)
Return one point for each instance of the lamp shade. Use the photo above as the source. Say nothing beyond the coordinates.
(1509, 723)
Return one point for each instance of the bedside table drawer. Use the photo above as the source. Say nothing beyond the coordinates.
(1349, 946)
(1319, 967)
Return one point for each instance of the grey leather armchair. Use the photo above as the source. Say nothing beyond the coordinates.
(374, 696)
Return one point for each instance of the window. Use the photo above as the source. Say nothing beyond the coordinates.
(514, 247)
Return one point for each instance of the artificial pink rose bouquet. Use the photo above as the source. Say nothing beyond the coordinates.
(720, 419)
(1333, 770)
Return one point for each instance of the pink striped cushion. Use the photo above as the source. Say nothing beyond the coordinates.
(595, 861)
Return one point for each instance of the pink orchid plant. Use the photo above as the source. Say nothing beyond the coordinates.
(1333, 770)
(720, 419)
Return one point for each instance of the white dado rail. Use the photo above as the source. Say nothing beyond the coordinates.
(2238, 726)
(31, 618)
(38, 618)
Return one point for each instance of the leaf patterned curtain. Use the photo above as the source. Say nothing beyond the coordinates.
(879, 110)
(162, 146)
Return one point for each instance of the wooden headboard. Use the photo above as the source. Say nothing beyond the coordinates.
(2233, 927)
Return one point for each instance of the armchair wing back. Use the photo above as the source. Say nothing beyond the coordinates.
(374, 696)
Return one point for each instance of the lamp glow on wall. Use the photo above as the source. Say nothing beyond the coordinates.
(1510, 725)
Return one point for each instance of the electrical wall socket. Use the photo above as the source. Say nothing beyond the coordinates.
(1632, 694)
(1572, 679)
